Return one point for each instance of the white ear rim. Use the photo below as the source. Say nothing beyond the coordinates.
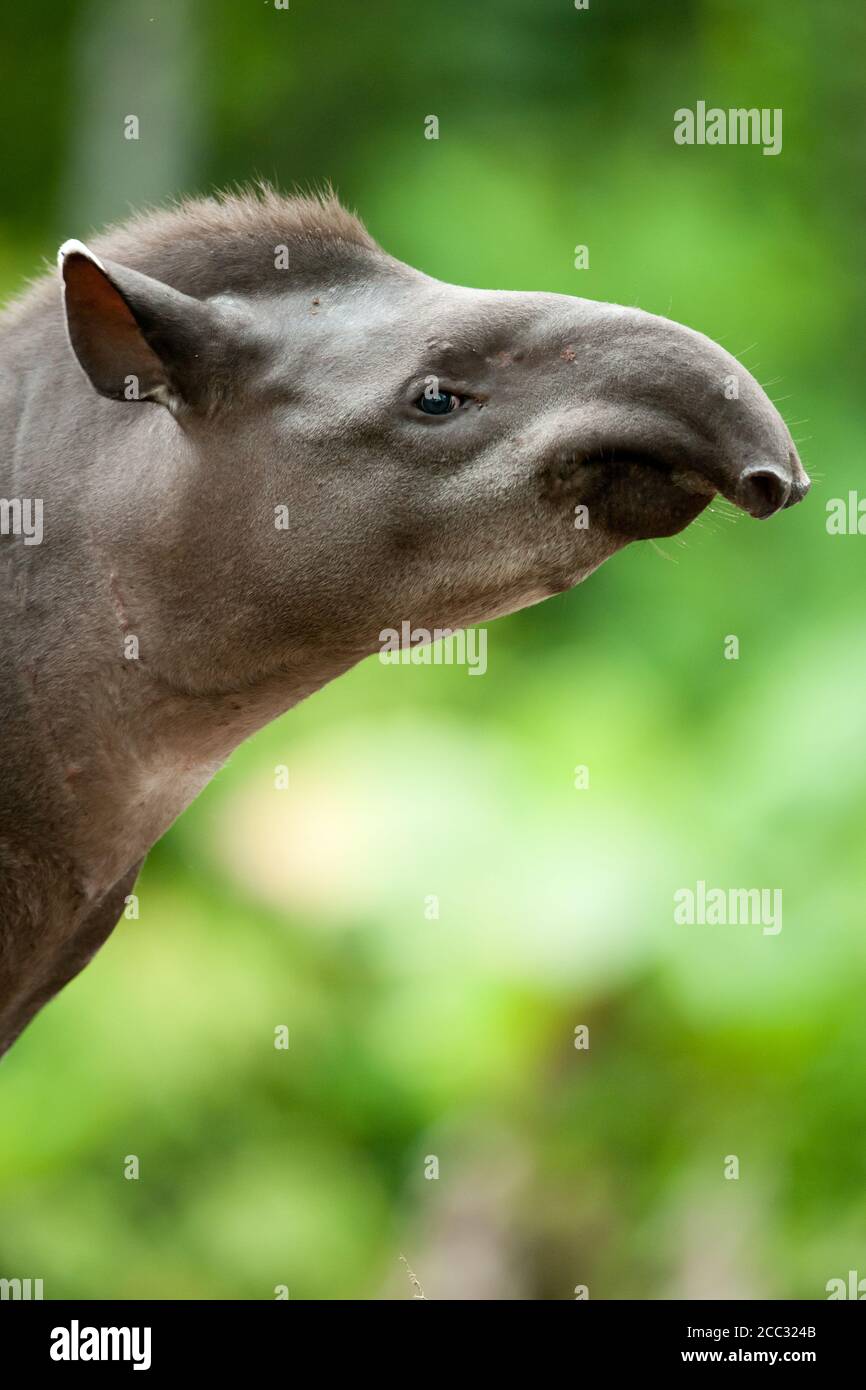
(74, 247)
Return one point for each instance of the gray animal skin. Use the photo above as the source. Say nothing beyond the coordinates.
(263, 385)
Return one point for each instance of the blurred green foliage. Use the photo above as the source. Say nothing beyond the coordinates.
(454, 1037)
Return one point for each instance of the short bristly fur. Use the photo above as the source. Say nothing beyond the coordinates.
(225, 234)
(236, 360)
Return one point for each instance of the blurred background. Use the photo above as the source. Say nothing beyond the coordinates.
(416, 1037)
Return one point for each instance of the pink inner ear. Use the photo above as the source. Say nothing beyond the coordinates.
(102, 328)
(94, 293)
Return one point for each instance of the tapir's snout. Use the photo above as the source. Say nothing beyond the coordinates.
(673, 418)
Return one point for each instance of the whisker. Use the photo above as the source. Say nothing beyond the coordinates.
(720, 506)
(664, 554)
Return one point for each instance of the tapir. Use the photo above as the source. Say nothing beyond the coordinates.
(256, 441)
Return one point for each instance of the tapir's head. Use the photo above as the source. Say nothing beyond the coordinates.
(349, 443)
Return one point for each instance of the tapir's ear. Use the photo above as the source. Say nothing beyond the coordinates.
(136, 338)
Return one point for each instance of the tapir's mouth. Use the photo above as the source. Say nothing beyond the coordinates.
(634, 493)
(643, 494)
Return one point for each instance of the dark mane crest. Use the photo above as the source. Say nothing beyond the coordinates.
(229, 241)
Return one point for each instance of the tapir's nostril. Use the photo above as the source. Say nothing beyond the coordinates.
(764, 488)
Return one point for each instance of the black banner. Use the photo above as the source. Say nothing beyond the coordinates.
(81, 1339)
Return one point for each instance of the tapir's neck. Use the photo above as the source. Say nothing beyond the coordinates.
(89, 785)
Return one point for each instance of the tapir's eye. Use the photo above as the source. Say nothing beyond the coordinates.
(442, 403)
